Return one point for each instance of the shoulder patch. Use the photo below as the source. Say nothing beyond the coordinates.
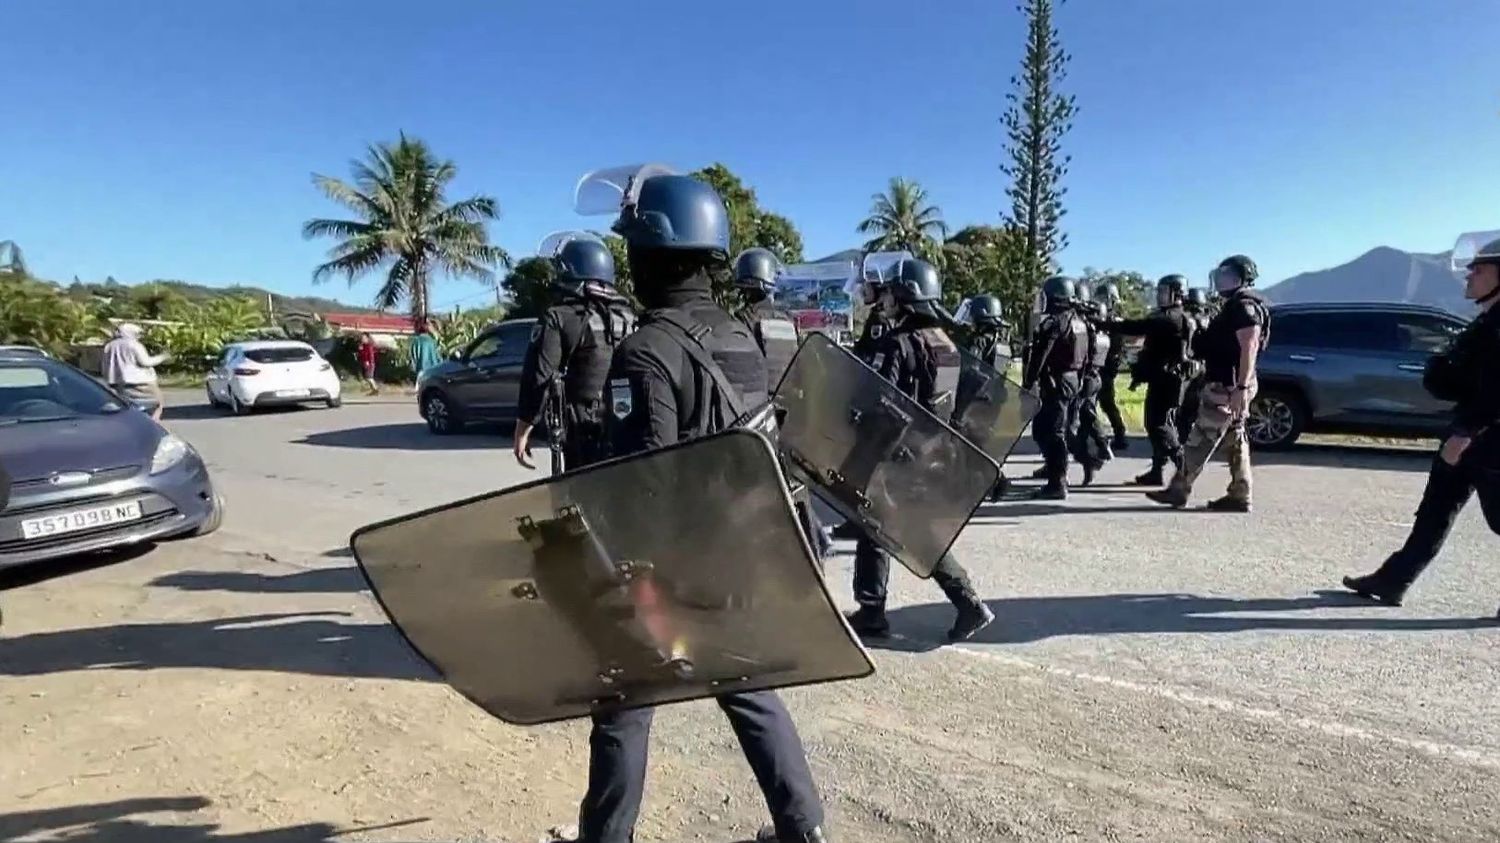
(620, 401)
(877, 330)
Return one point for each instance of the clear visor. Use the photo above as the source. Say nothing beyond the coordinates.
(607, 190)
(881, 267)
(553, 243)
(1474, 245)
(965, 313)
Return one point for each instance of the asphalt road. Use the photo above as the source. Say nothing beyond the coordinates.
(1153, 675)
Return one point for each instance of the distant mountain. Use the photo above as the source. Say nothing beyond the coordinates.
(199, 293)
(1381, 274)
(844, 256)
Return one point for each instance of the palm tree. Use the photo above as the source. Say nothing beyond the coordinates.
(901, 218)
(406, 226)
(14, 263)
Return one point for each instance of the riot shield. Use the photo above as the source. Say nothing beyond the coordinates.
(1474, 244)
(989, 409)
(877, 456)
(676, 574)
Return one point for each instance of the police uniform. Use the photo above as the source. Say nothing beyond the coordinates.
(1193, 393)
(776, 333)
(575, 345)
(1467, 373)
(907, 356)
(1164, 354)
(989, 346)
(1109, 373)
(1083, 422)
(690, 369)
(1220, 344)
(1054, 366)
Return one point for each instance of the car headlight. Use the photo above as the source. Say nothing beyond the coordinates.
(169, 452)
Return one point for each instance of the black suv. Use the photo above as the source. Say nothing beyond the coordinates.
(1349, 368)
(479, 383)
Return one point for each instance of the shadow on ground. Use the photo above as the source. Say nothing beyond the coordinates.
(1025, 619)
(408, 436)
(118, 822)
(312, 643)
(194, 412)
(1366, 457)
(24, 575)
(314, 580)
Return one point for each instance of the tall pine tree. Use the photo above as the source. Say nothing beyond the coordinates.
(1038, 117)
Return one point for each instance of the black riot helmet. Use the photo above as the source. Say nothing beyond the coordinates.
(1058, 292)
(675, 213)
(1082, 294)
(1170, 290)
(584, 265)
(915, 285)
(986, 311)
(1234, 272)
(1197, 300)
(755, 270)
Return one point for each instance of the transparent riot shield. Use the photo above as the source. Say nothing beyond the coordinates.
(672, 575)
(877, 456)
(989, 409)
(1474, 244)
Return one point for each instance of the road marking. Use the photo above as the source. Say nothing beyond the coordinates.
(1471, 755)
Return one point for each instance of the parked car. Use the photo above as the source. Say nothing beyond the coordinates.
(1349, 368)
(479, 383)
(271, 373)
(22, 351)
(89, 471)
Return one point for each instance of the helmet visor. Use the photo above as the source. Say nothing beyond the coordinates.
(1473, 246)
(609, 190)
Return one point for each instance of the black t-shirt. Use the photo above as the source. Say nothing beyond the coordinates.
(1221, 344)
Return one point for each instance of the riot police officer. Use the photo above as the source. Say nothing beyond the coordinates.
(1109, 300)
(1468, 374)
(687, 371)
(1196, 307)
(1162, 366)
(907, 356)
(755, 272)
(871, 288)
(569, 359)
(1231, 346)
(989, 340)
(1055, 360)
(1083, 419)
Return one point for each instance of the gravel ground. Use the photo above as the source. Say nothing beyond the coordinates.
(1154, 675)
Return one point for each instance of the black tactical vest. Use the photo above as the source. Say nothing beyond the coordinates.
(777, 335)
(602, 328)
(1070, 353)
(728, 368)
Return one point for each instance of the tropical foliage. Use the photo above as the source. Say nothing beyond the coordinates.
(903, 217)
(405, 226)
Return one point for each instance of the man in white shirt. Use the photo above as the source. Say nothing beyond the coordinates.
(130, 370)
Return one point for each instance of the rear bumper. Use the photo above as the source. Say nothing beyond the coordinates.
(175, 502)
(271, 399)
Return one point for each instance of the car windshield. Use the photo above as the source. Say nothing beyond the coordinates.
(38, 391)
(279, 354)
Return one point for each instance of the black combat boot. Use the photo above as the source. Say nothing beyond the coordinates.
(1051, 492)
(973, 616)
(768, 834)
(1376, 587)
(1168, 496)
(1151, 478)
(1228, 504)
(1039, 474)
(870, 620)
(1120, 443)
(1088, 473)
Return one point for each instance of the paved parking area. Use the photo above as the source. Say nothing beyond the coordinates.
(1153, 675)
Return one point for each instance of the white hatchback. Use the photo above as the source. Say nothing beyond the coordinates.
(272, 373)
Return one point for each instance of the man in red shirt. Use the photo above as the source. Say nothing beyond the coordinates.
(366, 356)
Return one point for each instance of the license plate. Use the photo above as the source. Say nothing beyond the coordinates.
(80, 519)
(293, 393)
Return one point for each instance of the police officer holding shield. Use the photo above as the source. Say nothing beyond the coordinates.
(907, 355)
(1468, 374)
(1161, 365)
(569, 360)
(689, 370)
(1055, 360)
(988, 340)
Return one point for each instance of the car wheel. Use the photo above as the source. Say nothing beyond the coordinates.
(212, 401)
(1277, 418)
(215, 519)
(235, 406)
(335, 403)
(443, 418)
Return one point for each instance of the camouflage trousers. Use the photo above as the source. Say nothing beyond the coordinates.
(1213, 425)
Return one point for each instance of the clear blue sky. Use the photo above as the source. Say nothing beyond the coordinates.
(175, 138)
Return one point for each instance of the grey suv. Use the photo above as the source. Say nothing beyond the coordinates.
(480, 382)
(1349, 368)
